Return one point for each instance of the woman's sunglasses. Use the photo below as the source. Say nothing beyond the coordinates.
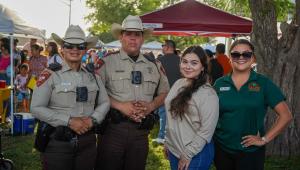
(69, 46)
(237, 55)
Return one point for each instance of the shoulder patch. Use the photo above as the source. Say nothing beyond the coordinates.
(99, 63)
(43, 77)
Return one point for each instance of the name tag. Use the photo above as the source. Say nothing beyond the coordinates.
(224, 88)
(66, 84)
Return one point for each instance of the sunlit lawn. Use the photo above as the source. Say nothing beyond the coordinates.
(20, 150)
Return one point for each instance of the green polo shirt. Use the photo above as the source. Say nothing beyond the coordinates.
(242, 112)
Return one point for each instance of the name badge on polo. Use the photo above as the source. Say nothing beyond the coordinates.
(224, 88)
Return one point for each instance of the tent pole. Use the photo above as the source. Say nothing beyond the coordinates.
(12, 82)
(228, 42)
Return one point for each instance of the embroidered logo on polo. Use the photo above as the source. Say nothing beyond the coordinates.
(254, 87)
(224, 88)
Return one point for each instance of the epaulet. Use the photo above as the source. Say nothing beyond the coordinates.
(55, 67)
(85, 68)
(149, 58)
(46, 73)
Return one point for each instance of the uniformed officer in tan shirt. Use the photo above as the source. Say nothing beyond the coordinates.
(124, 146)
(66, 100)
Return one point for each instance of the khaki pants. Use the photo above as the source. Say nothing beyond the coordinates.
(61, 155)
(122, 147)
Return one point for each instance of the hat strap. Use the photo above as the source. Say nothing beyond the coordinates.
(134, 29)
(75, 38)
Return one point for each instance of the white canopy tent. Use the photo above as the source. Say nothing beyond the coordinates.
(113, 44)
(12, 25)
(153, 45)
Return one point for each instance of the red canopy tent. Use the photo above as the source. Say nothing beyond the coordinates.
(194, 18)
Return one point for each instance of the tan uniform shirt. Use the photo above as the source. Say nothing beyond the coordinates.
(54, 101)
(116, 75)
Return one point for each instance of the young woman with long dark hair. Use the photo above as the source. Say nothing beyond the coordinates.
(192, 109)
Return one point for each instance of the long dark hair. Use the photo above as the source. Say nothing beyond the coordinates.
(54, 48)
(180, 103)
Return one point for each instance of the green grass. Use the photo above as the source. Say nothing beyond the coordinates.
(20, 150)
(156, 159)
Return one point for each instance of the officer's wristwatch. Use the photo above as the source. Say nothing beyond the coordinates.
(94, 121)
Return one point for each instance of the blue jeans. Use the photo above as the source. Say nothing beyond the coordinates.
(162, 122)
(201, 161)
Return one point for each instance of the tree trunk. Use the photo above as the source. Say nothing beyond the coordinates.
(279, 59)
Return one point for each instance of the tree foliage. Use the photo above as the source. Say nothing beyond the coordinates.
(241, 7)
(106, 12)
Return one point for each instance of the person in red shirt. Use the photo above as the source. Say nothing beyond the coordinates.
(223, 59)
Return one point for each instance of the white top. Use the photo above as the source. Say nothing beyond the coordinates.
(21, 82)
(51, 59)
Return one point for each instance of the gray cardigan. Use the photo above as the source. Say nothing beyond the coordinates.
(188, 136)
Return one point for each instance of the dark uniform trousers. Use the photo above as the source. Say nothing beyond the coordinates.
(60, 155)
(122, 147)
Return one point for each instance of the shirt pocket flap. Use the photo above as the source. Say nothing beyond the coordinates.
(121, 76)
(64, 88)
(150, 84)
(92, 88)
(150, 78)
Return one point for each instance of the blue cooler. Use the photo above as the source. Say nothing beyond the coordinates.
(28, 123)
(23, 123)
(17, 123)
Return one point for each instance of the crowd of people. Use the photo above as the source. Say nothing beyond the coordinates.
(211, 106)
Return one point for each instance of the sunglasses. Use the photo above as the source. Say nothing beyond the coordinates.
(237, 55)
(69, 46)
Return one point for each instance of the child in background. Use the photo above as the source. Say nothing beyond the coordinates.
(21, 85)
